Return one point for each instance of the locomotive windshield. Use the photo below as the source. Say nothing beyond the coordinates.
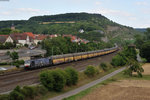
(27, 62)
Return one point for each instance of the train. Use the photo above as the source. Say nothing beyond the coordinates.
(66, 58)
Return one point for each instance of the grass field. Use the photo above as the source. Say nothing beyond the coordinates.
(119, 87)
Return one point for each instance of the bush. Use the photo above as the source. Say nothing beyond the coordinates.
(47, 80)
(3, 63)
(90, 71)
(53, 80)
(59, 80)
(41, 90)
(16, 94)
(104, 66)
(28, 91)
(73, 79)
(118, 61)
(4, 97)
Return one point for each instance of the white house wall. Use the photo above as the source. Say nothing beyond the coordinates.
(9, 39)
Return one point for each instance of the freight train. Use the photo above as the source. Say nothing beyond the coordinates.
(59, 59)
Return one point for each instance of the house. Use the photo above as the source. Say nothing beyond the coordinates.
(38, 38)
(3, 38)
(21, 38)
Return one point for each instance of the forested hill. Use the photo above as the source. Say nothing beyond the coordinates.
(96, 27)
(67, 17)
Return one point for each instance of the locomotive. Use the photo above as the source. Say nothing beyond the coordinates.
(65, 58)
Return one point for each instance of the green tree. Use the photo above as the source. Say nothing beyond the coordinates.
(14, 55)
(16, 94)
(90, 71)
(73, 75)
(53, 80)
(104, 66)
(134, 66)
(145, 51)
(118, 61)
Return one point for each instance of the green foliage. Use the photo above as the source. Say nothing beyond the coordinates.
(145, 51)
(41, 90)
(59, 80)
(73, 75)
(118, 61)
(62, 45)
(104, 66)
(134, 67)
(124, 56)
(28, 91)
(14, 55)
(16, 94)
(7, 45)
(90, 71)
(4, 97)
(94, 25)
(53, 80)
(47, 80)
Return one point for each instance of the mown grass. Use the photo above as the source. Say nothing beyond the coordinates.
(117, 77)
(83, 79)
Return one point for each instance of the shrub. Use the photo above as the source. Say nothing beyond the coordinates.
(16, 64)
(4, 97)
(3, 63)
(16, 94)
(59, 80)
(118, 61)
(90, 71)
(28, 91)
(41, 90)
(104, 66)
(73, 79)
(47, 80)
(53, 80)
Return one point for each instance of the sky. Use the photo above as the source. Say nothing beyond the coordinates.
(133, 13)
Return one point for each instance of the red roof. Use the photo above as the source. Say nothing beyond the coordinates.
(40, 37)
(3, 38)
(30, 34)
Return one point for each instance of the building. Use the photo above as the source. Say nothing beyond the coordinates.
(21, 38)
(3, 38)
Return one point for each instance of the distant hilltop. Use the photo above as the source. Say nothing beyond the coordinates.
(95, 27)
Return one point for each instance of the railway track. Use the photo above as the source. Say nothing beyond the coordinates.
(10, 81)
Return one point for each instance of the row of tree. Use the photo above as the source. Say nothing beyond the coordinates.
(60, 45)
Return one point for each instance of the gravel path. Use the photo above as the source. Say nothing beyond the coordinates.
(73, 92)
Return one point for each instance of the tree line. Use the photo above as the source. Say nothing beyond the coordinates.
(60, 45)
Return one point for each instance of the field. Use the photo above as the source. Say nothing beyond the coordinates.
(123, 88)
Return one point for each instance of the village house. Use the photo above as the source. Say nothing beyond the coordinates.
(5, 38)
(22, 38)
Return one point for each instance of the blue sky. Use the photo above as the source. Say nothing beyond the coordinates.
(134, 13)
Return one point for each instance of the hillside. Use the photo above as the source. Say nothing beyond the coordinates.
(96, 27)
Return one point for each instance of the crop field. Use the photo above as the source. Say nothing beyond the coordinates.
(124, 89)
